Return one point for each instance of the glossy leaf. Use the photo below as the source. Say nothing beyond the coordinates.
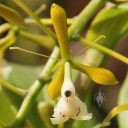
(98, 75)
(11, 15)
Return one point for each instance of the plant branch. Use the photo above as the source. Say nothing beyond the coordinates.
(40, 39)
(31, 14)
(106, 50)
(46, 21)
(14, 89)
(82, 19)
(34, 90)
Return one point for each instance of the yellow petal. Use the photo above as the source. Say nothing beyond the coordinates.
(54, 88)
(59, 20)
(99, 75)
(11, 15)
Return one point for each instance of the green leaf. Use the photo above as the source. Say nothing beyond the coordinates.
(110, 22)
(11, 15)
(23, 77)
(123, 99)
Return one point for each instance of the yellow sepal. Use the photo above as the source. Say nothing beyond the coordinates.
(58, 16)
(11, 15)
(54, 88)
(98, 75)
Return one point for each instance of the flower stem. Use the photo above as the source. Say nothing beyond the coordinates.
(34, 90)
(106, 50)
(30, 13)
(82, 19)
(11, 87)
(67, 71)
(47, 21)
(40, 9)
(61, 125)
(40, 39)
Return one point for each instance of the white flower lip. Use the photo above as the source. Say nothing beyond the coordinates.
(69, 106)
(73, 108)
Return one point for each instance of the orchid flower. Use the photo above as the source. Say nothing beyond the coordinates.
(69, 106)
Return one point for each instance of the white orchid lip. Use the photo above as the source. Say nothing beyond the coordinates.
(69, 106)
(73, 108)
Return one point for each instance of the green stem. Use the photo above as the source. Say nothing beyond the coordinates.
(46, 21)
(61, 125)
(106, 50)
(34, 91)
(31, 14)
(67, 71)
(82, 19)
(14, 89)
(40, 9)
(40, 39)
